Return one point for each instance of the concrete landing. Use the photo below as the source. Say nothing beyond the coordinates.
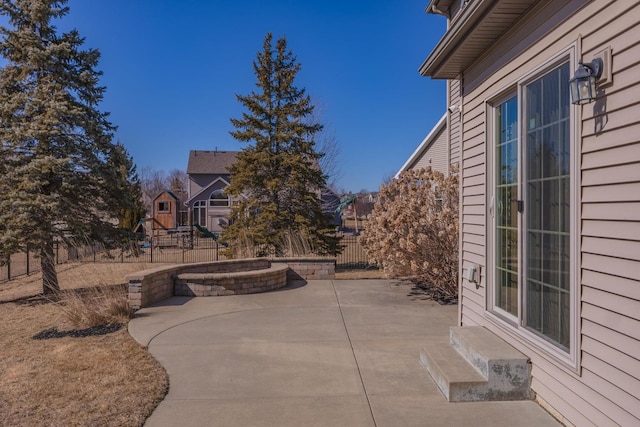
(329, 353)
(476, 365)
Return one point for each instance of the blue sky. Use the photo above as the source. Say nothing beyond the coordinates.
(172, 69)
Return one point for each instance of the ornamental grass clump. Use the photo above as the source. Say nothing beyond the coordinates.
(413, 231)
(96, 306)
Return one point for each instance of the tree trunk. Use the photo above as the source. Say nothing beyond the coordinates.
(48, 265)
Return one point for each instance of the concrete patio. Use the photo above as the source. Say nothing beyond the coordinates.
(328, 353)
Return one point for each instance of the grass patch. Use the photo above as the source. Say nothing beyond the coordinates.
(95, 306)
(71, 361)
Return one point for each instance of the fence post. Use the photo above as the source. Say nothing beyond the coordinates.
(8, 267)
(28, 260)
(151, 246)
(217, 249)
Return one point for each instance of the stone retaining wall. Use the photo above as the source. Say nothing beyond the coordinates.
(238, 283)
(149, 286)
(312, 268)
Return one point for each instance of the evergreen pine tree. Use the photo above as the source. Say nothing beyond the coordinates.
(276, 179)
(61, 173)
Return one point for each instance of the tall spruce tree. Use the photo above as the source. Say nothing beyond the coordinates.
(62, 176)
(276, 179)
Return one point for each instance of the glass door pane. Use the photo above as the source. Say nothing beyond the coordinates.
(506, 206)
(546, 210)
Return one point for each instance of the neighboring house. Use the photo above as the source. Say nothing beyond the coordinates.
(550, 197)
(433, 151)
(372, 197)
(167, 211)
(208, 177)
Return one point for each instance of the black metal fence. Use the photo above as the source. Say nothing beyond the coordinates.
(28, 262)
(353, 255)
(169, 249)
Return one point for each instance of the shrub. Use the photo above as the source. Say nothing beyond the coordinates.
(96, 306)
(413, 231)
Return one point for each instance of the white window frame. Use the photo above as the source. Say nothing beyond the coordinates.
(199, 207)
(512, 325)
(221, 206)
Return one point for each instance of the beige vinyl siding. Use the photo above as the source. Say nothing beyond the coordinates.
(194, 187)
(605, 390)
(435, 155)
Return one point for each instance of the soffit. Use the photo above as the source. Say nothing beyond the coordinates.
(474, 30)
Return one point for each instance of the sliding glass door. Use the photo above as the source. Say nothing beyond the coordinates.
(532, 211)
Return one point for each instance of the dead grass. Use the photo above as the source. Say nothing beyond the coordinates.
(96, 306)
(73, 276)
(100, 379)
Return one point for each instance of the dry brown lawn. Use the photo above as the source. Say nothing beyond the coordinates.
(98, 380)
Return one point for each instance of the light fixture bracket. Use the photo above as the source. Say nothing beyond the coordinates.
(595, 67)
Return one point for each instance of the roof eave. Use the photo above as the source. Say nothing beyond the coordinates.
(459, 49)
(432, 66)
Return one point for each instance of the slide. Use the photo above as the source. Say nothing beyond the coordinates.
(206, 232)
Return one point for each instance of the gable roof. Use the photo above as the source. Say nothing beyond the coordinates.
(176, 198)
(206, 189)
(210, 162)
(425, 144)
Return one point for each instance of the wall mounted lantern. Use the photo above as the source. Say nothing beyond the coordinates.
(583, 83)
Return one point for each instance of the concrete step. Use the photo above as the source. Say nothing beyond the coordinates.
(453, 375)
(476, 365)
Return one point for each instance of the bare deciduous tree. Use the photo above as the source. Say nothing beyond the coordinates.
(153, 182)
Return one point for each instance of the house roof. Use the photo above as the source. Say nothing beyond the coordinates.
(210, 162)
(473, 31)
(206, 188)
(426, 143)
(176, 198)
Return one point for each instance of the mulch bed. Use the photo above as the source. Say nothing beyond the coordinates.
(77, 333)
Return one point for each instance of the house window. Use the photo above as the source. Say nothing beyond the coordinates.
(531, 210)
(164, 207)
(200, 213)
(218, 199)
(506, 200)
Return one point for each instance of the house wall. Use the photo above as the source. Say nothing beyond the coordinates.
(216, 216)
(436, 155)
(605, 387)
(167, 220)
(200, 181)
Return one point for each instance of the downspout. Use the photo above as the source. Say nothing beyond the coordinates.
(460, 206)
